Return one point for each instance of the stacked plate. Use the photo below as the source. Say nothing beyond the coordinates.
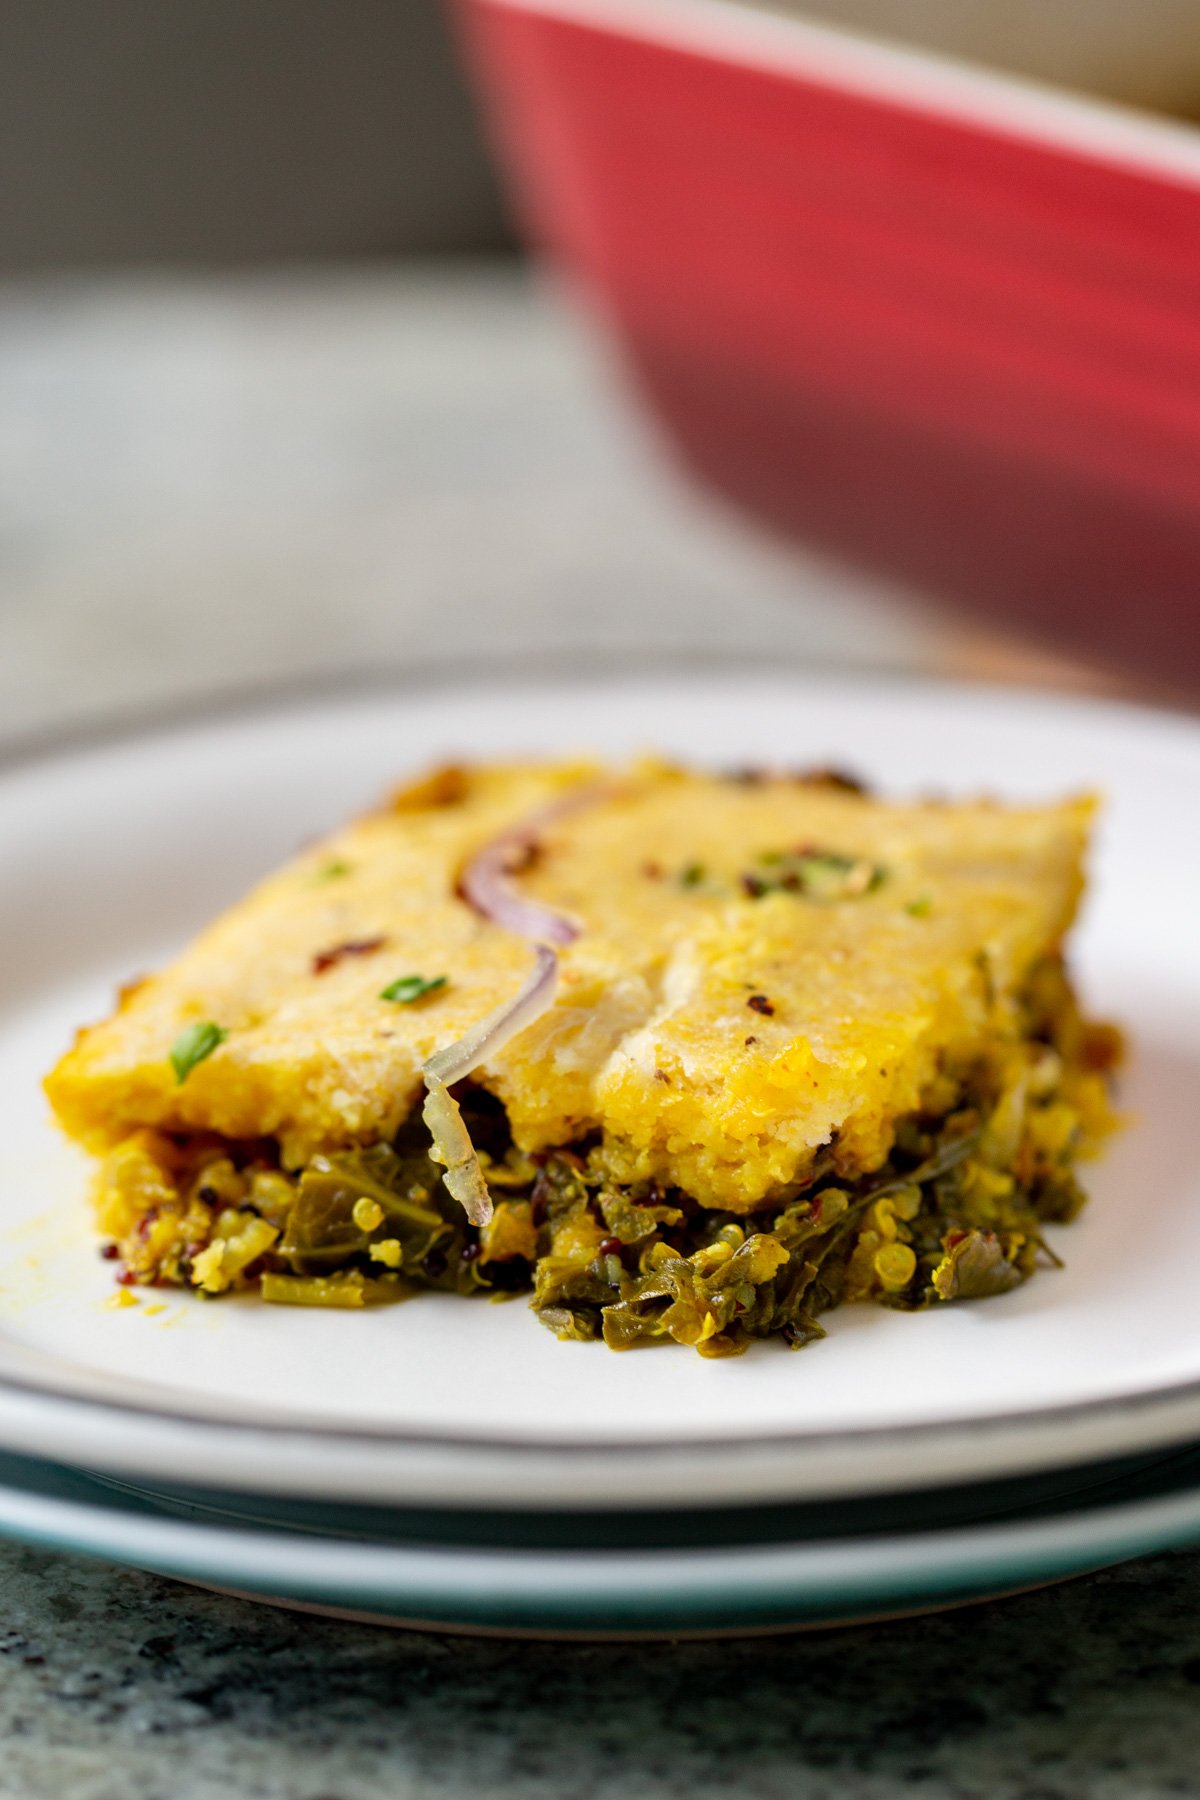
(450, 1463)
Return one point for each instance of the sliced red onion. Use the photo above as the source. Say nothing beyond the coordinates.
(452, 1144)
(487, 878)
(501, 1025)
(487, 885)
(452, 1147)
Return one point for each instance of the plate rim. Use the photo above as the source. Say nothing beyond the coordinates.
(1169, 1413)
(627, 1590)
(246, 702)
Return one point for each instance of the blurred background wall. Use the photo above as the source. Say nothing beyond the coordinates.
(235, 130)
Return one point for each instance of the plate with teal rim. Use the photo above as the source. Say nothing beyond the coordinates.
(751, 1570)
(116, 852)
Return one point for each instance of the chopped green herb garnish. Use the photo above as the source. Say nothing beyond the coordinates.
(693, 875)
(332, 871)
(407, 988)
(195, 1043)
(826, 875)
(921, 907)
(817, 874)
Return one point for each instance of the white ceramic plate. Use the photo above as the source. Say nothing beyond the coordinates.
(769, 1581)
(114, 854)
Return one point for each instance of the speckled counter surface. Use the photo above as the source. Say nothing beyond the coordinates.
(208, 485)
(124, 1687)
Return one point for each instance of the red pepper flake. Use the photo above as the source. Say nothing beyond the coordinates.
(325, 959)
(110, 1252)
(126, 1278)
(760, 1004)
(751, 1040)
(611, 1246)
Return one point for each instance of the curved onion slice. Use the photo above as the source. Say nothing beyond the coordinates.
(501, 1025)
(452, 1144)
(487, 878)
(487, 885)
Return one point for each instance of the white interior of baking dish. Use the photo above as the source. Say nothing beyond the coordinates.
(1145, 54)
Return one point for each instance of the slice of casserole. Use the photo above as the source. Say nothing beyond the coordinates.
(782, 1045)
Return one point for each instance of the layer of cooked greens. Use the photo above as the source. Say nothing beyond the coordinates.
(957, 1212)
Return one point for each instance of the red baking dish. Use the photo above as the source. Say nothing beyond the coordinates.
(932, 315)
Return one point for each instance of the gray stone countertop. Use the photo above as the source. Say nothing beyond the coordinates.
(125, 1687)
(216, 484)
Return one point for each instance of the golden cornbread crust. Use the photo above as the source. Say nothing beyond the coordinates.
(806, 1047)
(718, 1038)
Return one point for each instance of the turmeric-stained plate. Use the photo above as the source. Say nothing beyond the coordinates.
(114, 854)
